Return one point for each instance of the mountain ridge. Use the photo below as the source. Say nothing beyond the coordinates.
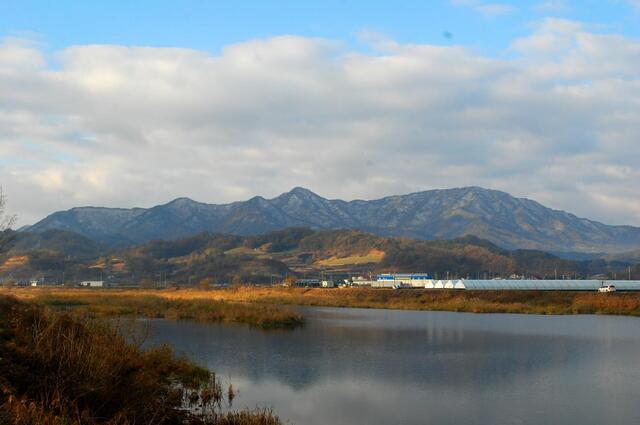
(273, 256)
(489, 214)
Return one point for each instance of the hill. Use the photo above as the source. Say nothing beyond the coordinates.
(296, 252)
(62, 242)
(492, 215)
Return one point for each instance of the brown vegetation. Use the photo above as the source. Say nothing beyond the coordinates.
(261, 306)
(14, 262)
(56, 369)
(529, 302)
(161, 304)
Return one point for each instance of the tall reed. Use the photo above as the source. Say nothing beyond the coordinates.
(58, 369)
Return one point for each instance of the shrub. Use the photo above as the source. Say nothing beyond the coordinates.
(58, 369)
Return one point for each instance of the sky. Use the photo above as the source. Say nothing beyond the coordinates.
(123, 104)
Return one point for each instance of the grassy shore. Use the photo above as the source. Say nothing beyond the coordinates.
(160, 304)
(527, 302)
(263, 306)
(57, 369)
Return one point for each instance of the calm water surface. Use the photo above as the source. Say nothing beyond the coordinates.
(355, 366)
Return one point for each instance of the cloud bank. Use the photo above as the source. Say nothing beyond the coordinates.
(134, 126)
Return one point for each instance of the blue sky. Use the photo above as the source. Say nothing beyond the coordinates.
(210, 25)
(135, 103)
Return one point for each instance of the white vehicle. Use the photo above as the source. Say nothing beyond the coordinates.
(607, 288)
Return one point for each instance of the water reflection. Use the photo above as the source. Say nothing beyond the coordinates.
(355, 366)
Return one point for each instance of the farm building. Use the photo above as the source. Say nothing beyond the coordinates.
(92, 283)
(550, 285)
(403, 280)
(425, 281)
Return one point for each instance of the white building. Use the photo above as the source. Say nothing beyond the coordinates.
(92, 283)
(362, 281)
(403, 280)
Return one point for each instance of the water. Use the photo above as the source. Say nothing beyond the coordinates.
(355, 366)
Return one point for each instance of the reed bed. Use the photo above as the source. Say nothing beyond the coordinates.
(273, 299)
(159, 304)
(524, 302)
(56, 369)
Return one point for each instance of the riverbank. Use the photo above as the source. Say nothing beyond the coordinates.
(58, 369)
(160, 304)
(262, 306)
(523, 302)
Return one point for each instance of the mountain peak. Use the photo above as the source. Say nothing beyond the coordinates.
(182, 201)
(302, 191)
(492, 215)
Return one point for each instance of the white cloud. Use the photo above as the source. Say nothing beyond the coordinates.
(18, 54)
(634, 3)
(552, 35)
(491, 10)
(488, 10)
(553, 6)
(135, 126)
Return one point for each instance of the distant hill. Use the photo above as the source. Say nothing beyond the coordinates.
(272, 256)
(62, 242)
(305, 252)
(436, 214)
(631, 257)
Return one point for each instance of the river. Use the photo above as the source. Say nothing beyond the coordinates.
(359, 366)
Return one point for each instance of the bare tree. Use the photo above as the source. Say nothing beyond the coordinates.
(6, 221)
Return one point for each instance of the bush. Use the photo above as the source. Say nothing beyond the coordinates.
(57, 369)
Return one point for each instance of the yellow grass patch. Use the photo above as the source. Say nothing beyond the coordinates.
(528, 302)
(242, 250)
(160, 304)
(373, 256)
(13, 262)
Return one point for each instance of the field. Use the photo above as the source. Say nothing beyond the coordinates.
(263, 306)
(527, 302)
(13, 262)
(159, 304)
(373, 256)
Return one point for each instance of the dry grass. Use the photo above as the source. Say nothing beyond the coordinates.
(242, 250)
(56, 369)
(245, 299)
(160, 304)
(529, 302)
(14, 262)
(374, 256)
